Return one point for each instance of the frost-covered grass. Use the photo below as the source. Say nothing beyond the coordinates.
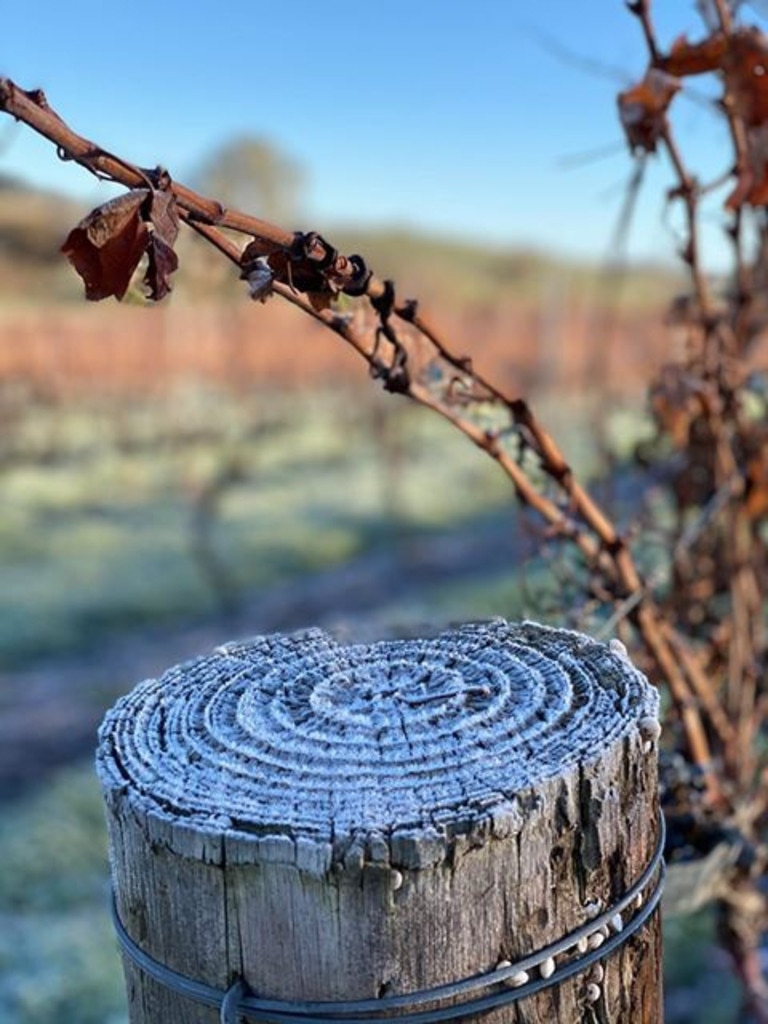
(96, 521)
(58, 958)
(97, 533)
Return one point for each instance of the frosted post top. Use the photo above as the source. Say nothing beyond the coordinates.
(302, 737)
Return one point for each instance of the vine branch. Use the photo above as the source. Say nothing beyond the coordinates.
(307, 272)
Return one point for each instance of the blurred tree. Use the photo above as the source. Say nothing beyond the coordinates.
(252, 175)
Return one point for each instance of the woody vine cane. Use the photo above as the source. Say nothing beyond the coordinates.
(712, 408)
(401, 347)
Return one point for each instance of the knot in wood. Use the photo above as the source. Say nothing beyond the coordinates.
(310, 741)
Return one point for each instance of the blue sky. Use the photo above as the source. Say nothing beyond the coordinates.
(451, 117)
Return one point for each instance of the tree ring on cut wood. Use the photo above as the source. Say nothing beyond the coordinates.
(389, 748)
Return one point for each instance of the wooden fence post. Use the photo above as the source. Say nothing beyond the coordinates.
(464, 827)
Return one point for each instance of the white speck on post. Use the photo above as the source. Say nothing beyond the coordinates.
(650, 728)
(596, 974)
(593, 992)
(618, 648)
(547, 967)
(592, 908)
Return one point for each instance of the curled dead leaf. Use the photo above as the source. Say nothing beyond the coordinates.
(162, 259)
(164, 216)
(686, 58)
(741, 57)
(106, 246)
(643, 109)
(746, 74)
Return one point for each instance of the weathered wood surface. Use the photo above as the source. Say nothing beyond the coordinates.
(347, 822)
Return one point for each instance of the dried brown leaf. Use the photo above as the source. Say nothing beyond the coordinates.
(746, 73)
(164, 216)
(162, 257)
(106, 246)
(162, 263)
(643, 109)
(742, 59)
(695, 58)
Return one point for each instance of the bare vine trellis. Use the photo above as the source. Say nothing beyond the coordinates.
(704, 631)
